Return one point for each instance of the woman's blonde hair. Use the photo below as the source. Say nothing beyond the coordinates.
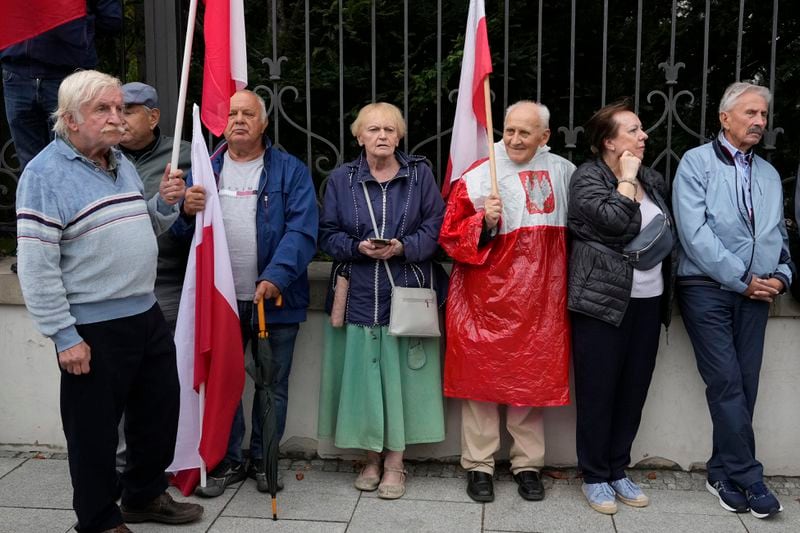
(388, 110)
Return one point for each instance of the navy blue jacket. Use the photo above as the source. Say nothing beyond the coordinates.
(287, 220)
(66, 48)
(409, 207)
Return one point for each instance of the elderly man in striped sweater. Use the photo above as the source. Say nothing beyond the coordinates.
(87, 257)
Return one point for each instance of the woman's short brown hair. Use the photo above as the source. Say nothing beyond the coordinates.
(602, 125)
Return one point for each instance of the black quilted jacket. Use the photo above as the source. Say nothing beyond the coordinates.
(600, 283)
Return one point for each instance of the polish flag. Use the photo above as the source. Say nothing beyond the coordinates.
(225, 70)
(208, 340)
(469, 139)
(23, 20)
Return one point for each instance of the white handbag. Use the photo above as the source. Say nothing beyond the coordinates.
(414, 311)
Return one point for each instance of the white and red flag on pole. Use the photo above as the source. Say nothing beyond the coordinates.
(22, 20)
(225, 70)
(208, 339)
(469, 139)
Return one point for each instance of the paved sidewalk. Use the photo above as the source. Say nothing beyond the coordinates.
(35, 496)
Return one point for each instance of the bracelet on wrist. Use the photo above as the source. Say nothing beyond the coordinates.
(632, 182)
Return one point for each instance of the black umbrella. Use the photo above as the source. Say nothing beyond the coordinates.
(262, 374)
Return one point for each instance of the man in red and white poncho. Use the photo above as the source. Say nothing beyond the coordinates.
(507, 321)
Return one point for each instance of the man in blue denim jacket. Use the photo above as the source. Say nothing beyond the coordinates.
(34, 68)
(733, 261)
(271, 220)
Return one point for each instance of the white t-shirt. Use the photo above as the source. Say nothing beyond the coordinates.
(647, 283)
(238, 197)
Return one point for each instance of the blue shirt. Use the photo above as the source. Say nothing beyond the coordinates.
(742, 163)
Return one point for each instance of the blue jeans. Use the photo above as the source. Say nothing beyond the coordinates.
(29, 103)
(281, 340)
(727, 334)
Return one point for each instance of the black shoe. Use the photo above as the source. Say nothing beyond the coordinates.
(255, 472)
(225, 474)
(530, 485)
(162, 509)
(480, 486)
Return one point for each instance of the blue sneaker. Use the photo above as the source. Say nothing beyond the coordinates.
(629, 493)
(600, 497)
(730, 497)
(763, 503)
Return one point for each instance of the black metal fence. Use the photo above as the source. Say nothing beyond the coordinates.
(317, 64)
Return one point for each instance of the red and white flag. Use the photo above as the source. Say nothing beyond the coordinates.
(225, 70)
(469, 139)
(22, 20)
(208, 339)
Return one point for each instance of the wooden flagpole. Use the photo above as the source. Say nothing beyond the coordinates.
(487, 99)
(187, 56)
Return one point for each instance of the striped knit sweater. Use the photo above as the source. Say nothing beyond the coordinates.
(86, 241)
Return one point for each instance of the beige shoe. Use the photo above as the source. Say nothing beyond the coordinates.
(393, 492)
(368, 483)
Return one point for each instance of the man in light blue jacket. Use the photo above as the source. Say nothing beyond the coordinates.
(733, 261)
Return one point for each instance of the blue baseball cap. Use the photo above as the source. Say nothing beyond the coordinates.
(139, 93)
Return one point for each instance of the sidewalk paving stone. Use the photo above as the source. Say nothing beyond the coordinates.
(563, 510)
(382, 516)
(35, 496)
(7, 464)
(19, 520)
(37, 483)
(228, 524)
(675, 501)
(323, 496)
(632, 521)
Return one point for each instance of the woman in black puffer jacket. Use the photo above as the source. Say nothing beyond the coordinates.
(616, 310)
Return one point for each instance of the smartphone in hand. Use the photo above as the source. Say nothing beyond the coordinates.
(380, 242)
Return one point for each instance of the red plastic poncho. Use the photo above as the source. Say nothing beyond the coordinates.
(508, 339)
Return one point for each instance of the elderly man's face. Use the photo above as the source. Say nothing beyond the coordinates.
(524, 133)
(744, 123)
(245, 125)
(101, 124)
(140, 121)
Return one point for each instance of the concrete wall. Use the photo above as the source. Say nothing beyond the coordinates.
(675, 426)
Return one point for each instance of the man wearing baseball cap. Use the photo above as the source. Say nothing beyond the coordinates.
(150, 151)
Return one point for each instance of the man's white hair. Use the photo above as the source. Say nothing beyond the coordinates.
(76, 90)
(544, 113)
(737, 89)
(261, 102)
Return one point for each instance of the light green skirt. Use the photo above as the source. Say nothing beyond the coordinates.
(379, 391)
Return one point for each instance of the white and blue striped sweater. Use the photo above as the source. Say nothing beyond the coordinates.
(86, 241)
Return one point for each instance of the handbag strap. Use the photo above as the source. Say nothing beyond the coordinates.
(375, 228)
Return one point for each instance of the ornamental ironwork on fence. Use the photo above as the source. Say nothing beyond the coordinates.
(316, 65)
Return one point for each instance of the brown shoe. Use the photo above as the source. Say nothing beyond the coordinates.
(122, 528)
(163, 509)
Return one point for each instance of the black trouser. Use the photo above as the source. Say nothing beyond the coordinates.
(613, 367)
(132, 369)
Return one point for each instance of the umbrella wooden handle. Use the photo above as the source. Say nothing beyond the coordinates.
(262, 321)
